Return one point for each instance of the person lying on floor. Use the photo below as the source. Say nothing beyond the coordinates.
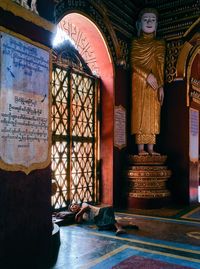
(103, 217)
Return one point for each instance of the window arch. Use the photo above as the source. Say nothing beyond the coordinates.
(90, 42)
(75, 143)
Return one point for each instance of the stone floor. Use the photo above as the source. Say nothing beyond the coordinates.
(160, 242)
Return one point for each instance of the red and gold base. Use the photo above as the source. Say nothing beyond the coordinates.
(147, 178)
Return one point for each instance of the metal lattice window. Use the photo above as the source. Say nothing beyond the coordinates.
(74, 137)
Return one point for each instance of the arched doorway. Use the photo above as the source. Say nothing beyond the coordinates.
(94, 50)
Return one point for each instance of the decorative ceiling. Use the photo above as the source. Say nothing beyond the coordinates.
(174, 20)
(175, 17)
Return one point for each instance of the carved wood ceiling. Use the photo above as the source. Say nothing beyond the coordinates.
(175, 16)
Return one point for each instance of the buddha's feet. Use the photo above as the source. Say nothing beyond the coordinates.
(143, 153)
(153, 153)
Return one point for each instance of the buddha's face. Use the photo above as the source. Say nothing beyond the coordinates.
(148, 23)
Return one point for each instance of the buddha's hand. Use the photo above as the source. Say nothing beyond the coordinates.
(152, 81)
(161, 95)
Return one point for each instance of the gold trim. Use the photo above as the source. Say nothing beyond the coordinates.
(194, 234)
(150, 244)
(191, 27)
(172, 38)
(28, 15)
(196, 100)
(110, 29)
(195, 88)
(181, 62)
(24, 38)
(194, 52)
(181, 65)
(94, 262)
(149, 195)
(34, 166)
(137, 160)
(134, 248)
(97, 135)
(186, 216)
(159, 218)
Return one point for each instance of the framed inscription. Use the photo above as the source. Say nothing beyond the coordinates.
(194, 135)
(120, 127)
(25, 137)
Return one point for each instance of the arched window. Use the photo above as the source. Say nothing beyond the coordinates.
(75, 128)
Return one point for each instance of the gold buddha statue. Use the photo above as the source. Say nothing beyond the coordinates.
(147, 60)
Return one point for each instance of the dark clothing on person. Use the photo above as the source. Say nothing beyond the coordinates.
(105, 219)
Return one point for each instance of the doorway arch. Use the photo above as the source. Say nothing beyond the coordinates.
(93, 48)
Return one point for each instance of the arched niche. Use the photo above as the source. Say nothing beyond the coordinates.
(93, 48)
(188, 70)
(190, 47)
(188, 60)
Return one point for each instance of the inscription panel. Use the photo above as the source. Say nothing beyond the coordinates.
(24, 104)
(120, 127)
(194, 135)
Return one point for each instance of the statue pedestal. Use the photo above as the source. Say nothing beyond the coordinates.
(147, 177)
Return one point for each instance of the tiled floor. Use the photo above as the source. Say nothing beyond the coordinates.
(159, 243)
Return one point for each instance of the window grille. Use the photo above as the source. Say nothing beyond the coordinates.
(75, 143)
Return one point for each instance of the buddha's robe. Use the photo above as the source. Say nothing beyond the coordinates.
(147, 56)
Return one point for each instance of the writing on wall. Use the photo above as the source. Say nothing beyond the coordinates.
(24, 103)
(194, 135)
(120, 127)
